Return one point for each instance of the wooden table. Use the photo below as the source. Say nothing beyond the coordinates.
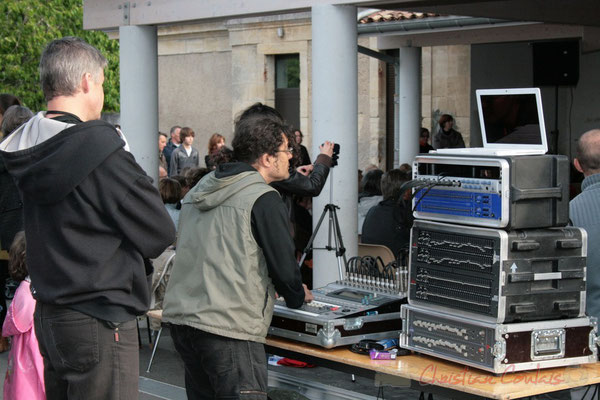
(434, 375)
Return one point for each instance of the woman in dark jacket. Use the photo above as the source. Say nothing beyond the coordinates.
(389, 222)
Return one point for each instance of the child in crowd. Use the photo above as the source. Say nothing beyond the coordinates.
(170, 192)
(185, 156)
(25, 373)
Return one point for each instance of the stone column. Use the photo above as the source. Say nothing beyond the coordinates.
(335, 118)
(139, 94)
(409, 118)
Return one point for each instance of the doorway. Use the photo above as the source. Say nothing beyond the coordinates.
(287, 87)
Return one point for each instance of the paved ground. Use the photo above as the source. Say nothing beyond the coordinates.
(284, 382)
(166, 379)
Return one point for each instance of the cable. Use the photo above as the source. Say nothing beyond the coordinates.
(570, 126)
(390, 267)
(415, 183)
(429, 187)
(379, 266)
(351, 264)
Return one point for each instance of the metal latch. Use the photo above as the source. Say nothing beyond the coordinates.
(547, 344)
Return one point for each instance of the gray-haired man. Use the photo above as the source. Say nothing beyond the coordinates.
(92, 219)
(173, 143)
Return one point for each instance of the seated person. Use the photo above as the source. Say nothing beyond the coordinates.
(193, 176)
(370, 194)
(389, 222)
(170, 192)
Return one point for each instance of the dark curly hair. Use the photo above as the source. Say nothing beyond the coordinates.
(255, 136)
(261, 110)
(17, 267)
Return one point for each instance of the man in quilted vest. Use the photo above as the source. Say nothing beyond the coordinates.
(234, 252)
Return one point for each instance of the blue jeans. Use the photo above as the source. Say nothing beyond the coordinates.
(217, 367)
(86, 358)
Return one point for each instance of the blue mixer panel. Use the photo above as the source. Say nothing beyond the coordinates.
(461, 203)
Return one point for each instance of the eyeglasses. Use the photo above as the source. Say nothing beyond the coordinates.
(288, 150)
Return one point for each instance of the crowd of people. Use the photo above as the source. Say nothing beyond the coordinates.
(81, 223)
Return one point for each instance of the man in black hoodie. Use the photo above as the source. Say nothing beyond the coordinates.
(92, 220)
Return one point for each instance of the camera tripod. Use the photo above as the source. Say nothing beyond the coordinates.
(334, 232)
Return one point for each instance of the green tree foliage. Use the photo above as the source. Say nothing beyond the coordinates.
(26, 26)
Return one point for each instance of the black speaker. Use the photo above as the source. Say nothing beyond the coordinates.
(556, 63)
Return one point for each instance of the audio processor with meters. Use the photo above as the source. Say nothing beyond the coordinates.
(341, 313)
(498, 276)
(499, 348)
(509, 192)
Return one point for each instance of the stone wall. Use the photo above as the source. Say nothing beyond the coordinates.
(371, 108)
(210, 72)
(446, 87)
(194, 81)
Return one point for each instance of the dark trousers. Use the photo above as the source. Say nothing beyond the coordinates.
(217, 367)
(86, 358)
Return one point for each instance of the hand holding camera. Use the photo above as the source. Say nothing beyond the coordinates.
(332, 150)
(327, 148)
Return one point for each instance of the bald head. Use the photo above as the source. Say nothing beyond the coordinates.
(587, 159)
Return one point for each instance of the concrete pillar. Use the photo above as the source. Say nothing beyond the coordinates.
(409, 122)
(335, 118)
(139, 94)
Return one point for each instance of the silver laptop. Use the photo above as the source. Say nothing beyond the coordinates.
(512, 123)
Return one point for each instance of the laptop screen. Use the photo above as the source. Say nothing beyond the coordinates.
(512, 118)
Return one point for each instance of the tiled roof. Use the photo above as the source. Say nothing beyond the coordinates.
(393, 15)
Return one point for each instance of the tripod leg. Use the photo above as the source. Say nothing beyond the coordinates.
(309, 245)
(340, 250)
(338, 231)
(331, 230)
